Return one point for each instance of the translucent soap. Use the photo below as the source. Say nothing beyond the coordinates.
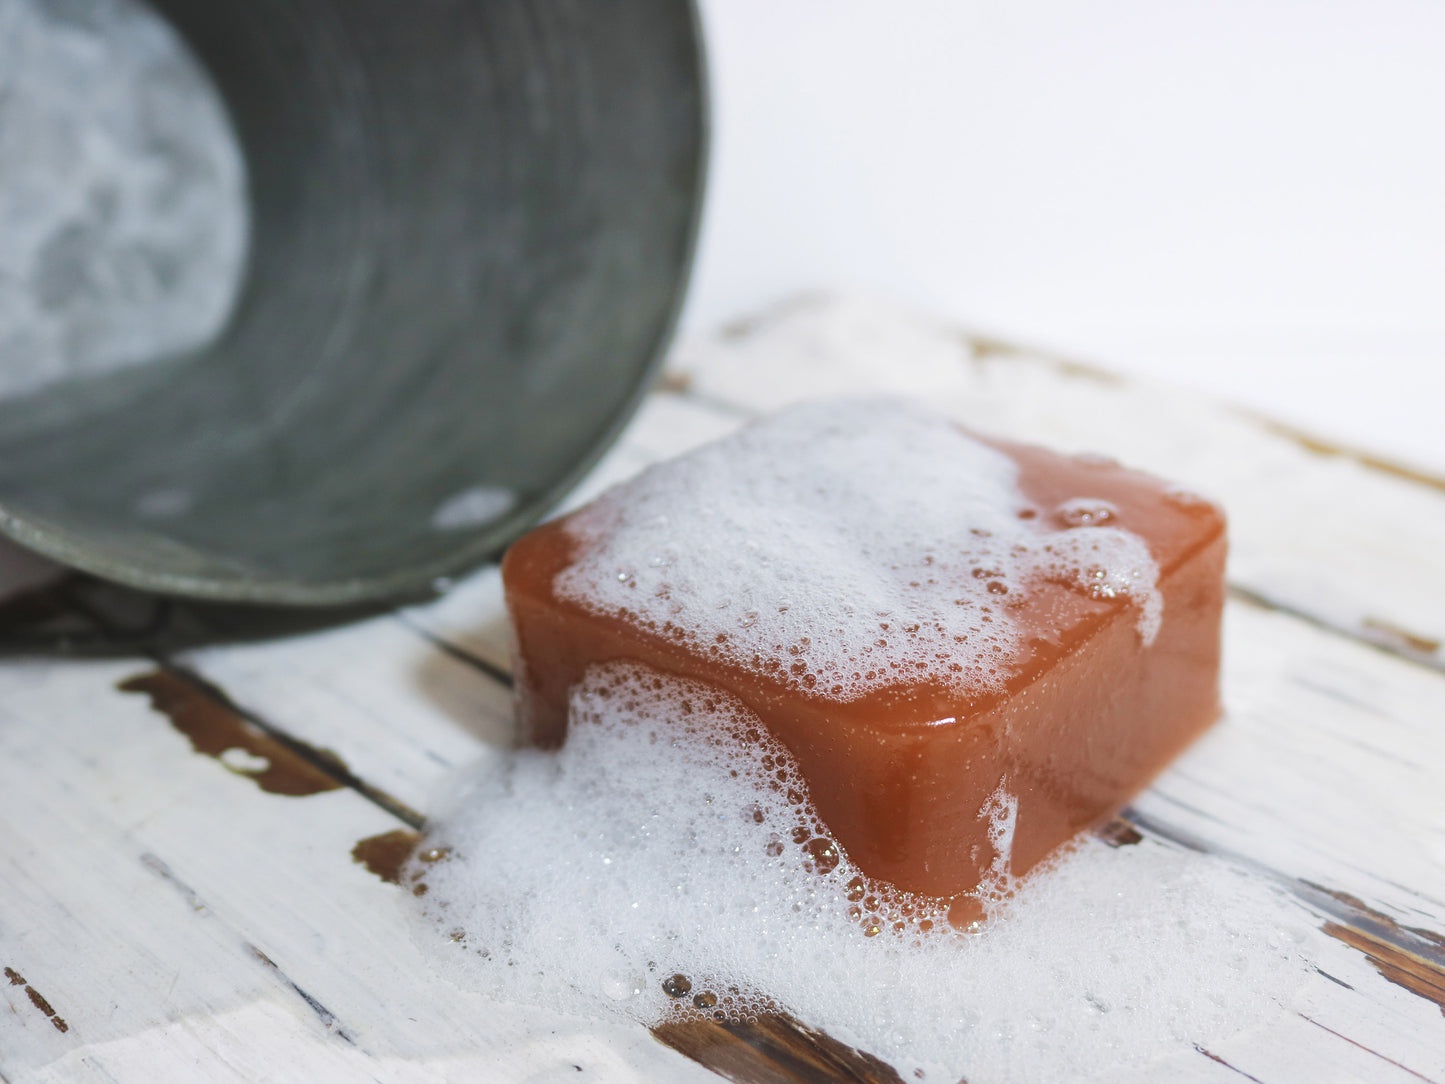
(940, 626)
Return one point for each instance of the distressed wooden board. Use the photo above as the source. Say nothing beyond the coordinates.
(1402, 1022)
(1326, 766)
(1336, 747)
(1322, 772)
(182, 923)
(1332, 534)
(1277, 786)
(218, 877)
(398, 710)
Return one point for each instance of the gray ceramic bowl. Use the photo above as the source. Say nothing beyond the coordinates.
(471, 225)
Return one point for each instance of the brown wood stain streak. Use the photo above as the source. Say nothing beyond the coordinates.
(1371, 632)
(1413, 951)
(1417, 941)
(1403, 968)
(384, 855)
(985, 347)
(773, 1049)
(1119, 833)
(38, 1000)
(673, 382)
(1401, 638)
(1322, 446)
(213, 728)
(1408, 956)
(1385, 635)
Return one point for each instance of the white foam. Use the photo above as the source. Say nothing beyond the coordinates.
(843, 547)
(1105, 562)
(473, 507)
(123, 211)
(660, 842)
(1002, 813)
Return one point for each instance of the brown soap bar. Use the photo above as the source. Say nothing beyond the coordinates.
(1089, 597)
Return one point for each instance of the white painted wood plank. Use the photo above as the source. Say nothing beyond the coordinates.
(471, 617)
(1325, 768)
(1323, 534)
(185, 925)
(400, 712)
(147, 874)
(1302, 1047)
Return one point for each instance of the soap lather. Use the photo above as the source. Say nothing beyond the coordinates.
(938, 625)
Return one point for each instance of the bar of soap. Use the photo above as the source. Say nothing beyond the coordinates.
(937, 625)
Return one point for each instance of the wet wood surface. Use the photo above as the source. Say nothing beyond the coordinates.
(202, 810)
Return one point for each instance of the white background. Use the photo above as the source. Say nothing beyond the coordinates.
(1248, 198)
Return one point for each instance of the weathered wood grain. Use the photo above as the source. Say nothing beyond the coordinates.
(1277, 786)
(185, 923)
(1335, 535)
(1303, 708)
(773, 1049)
(173, 913)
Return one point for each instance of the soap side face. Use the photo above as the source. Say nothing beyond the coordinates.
(1085, 713)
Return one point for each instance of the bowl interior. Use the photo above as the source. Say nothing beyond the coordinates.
(471, 224)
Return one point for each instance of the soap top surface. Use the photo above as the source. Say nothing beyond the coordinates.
(842, 549)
